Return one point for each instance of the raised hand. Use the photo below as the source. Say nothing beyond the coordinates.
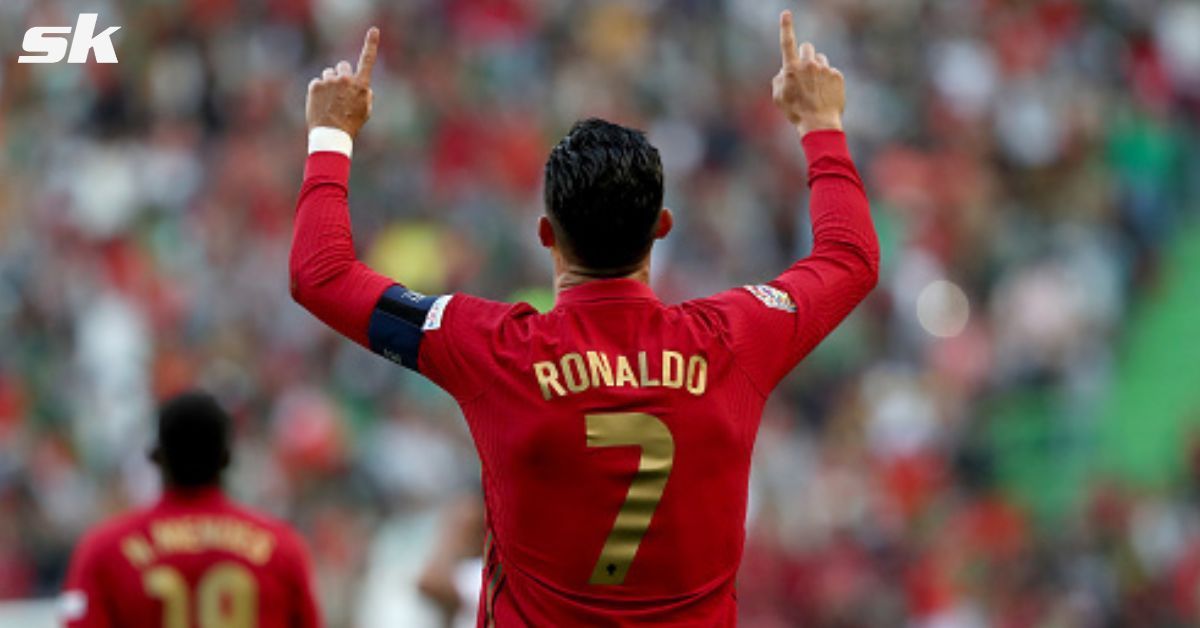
(810, 92)
(341, 97)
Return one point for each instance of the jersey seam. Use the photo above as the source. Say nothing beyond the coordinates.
(605, 301)
(466, 401)
(733, 357)
(744, 371)
(446, 325)
(423, 345)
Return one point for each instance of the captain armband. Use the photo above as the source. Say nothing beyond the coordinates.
(400, 320)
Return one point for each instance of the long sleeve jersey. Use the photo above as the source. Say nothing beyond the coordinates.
(615, 431)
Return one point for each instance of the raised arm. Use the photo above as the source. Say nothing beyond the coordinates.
(844, 264)
(770, 327)
(329, 280)
(326, 276)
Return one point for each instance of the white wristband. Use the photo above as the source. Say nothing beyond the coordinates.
(327, 138)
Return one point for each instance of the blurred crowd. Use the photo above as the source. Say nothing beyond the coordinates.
(1028, 162)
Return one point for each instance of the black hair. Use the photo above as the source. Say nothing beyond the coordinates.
(193, 446)
(604, 193)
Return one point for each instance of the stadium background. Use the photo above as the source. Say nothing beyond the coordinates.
(1003, 435)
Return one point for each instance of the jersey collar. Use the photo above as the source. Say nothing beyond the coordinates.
(201, 495)
(605, 290)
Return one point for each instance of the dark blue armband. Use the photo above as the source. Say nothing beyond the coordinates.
(399, 322)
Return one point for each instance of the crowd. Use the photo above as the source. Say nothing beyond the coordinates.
(1028, 161)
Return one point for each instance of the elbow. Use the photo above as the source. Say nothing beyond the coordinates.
(297, 279)
(305, 276)
(863, 249)
(867, 272)
(858, 261)
(310, 276)
(438, 587)
(870, 271)
(296, 289)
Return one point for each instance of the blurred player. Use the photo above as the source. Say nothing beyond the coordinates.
(195, 559)
(450, 576)
(615, 432)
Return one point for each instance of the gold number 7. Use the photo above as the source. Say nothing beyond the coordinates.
(625, 429)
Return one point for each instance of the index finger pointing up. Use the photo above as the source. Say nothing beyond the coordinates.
(787, 39)
(366, 60)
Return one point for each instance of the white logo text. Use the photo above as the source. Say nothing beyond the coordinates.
(49, 43)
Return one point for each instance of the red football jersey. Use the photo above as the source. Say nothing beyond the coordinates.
(615, 431)
(195, 559)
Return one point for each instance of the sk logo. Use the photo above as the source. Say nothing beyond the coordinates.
(50, 42)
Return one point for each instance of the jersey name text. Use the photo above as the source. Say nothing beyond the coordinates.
(577, 372)
(195, 534)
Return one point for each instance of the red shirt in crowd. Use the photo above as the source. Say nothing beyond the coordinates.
(194, 559)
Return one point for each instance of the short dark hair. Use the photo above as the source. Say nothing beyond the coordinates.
(604, 192)
(193, 445)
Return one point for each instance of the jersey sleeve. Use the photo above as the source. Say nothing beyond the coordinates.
(462, 343)
(770, 327)
(445, 337)
(327, 277)
(452, 339)
(83, 602)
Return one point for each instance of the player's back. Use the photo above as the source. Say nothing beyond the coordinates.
(195, 559)
(616, 434)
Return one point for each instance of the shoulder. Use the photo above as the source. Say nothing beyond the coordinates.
(467, 317)
(102, 542)
(259, 518)
(750, 298)
(460, 305)
(108, 533)
(287, 539)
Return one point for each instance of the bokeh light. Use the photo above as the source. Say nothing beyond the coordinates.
(943, 309)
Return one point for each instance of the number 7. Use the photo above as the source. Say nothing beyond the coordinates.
(658, 455)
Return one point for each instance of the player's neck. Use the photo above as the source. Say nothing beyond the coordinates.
(570, 276)
(204, 491)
